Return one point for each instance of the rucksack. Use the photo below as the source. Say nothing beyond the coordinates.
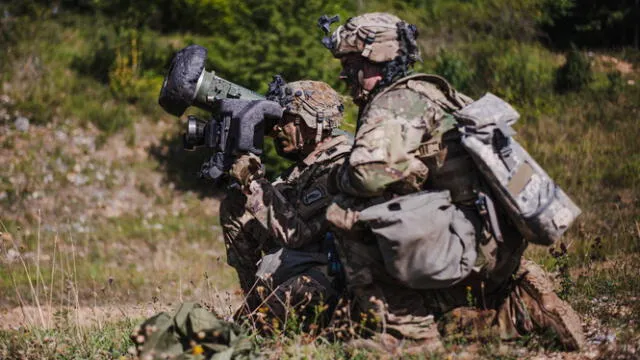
(534, 202)
(424, 240)
(192, 332)
(538, 207)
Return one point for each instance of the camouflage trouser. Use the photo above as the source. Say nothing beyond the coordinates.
(246, 240)
(404, 310)
(299, 301)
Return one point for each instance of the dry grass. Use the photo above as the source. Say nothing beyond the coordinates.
(99, 232)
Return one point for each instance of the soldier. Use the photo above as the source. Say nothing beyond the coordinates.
(286, 219)
(405, 142)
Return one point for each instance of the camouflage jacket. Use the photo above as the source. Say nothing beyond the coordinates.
(292, 208)
(391, 129)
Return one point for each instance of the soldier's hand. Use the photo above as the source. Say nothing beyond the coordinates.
(247, 168)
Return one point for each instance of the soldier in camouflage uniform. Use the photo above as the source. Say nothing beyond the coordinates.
(405, 142)
(286, 219)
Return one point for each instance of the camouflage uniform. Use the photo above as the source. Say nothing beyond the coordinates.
(407, 142)
(386, 162)
(289, 213)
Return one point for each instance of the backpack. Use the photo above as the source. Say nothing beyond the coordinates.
(425, 241)
(192, 332)
(539, 208)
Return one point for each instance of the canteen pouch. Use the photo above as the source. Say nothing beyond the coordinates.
(426, 242)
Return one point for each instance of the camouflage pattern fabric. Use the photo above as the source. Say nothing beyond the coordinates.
(191, 332)
(290, 212)
(385, 163)
(390, 130)
(292, 209)
(299, 301)
(244, 236)
(373, 36)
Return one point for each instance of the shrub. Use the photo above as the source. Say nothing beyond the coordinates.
(99, 58)
(575, 74)
(519, 73)
(456, 69)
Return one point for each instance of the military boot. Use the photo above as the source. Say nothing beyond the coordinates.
(533, 305)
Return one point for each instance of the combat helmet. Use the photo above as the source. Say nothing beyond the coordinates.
(378, 37)
(315, 102)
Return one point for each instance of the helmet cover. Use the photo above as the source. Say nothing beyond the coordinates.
(379, 37)
(313, 101)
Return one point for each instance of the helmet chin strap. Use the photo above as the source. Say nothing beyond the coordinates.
(363, 94)
(299, 140)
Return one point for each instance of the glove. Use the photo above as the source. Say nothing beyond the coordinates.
(248, 117)
(246, 168)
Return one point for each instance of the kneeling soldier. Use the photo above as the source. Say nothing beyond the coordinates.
(285, 219)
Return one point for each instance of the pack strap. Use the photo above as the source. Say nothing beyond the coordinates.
(502, 144)
(434, 147)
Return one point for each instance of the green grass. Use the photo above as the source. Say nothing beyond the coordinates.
(65, 341)
(61, 73)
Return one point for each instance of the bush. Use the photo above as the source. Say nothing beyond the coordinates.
(456, 69)
(517, 72)
(98, 60)
(575, 74)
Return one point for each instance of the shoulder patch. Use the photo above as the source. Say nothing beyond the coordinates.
(312, 195)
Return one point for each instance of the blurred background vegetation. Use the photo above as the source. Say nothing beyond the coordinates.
(569, 66)
(102, 173)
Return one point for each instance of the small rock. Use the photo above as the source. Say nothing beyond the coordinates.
(61, 136)
(12, 254)
(81, 179)
(631, 82)
(22, 124)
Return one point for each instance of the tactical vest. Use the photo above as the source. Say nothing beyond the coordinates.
(305, 186)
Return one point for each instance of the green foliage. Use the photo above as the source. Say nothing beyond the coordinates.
(517, 72)
(502, 19)
(597, 23)
(455, 68)
(616, 84)
(274, 38)
(575, 74)
(520, 73)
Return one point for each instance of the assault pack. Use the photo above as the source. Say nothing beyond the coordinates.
(538, 207)
(429, 239)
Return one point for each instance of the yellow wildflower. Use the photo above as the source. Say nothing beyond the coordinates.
(197, 350)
